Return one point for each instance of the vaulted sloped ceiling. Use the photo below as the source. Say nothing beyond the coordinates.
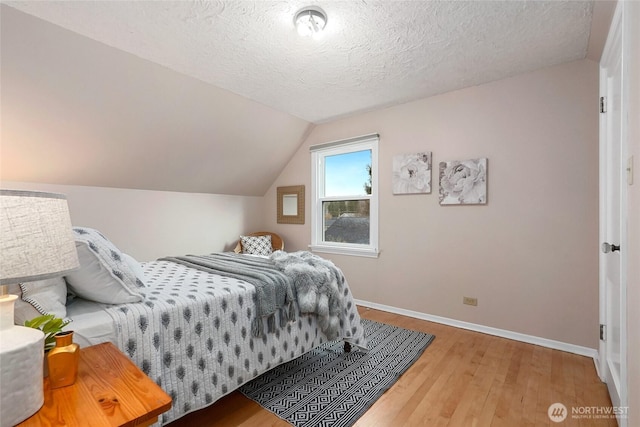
(216, 96)
(78, 112)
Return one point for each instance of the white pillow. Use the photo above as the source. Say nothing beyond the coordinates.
(47, 296)
(104, 274)
(256, 245)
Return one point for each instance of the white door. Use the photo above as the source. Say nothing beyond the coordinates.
(613, 368)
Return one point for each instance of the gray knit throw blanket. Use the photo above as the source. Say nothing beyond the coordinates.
(320, 287)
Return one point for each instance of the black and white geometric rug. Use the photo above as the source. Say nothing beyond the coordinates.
(328, 387)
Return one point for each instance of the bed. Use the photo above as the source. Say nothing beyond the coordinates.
(201, 333)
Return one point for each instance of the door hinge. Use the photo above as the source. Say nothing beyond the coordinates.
(603, 332)
(603, 104)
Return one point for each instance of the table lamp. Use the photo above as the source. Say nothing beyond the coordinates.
(36, 243)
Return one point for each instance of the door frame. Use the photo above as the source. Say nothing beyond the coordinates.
(616, 35)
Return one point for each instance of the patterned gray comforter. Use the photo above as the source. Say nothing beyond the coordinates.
(274, 293)
(192, 334)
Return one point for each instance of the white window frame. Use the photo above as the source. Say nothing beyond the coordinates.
(318, 154)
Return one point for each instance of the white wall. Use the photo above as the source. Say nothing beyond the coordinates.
(152, 224)
(530, 255)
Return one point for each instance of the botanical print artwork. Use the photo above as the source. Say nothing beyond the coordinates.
(412, 173)
(463, 182)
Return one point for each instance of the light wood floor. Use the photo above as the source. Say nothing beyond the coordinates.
(463, 379)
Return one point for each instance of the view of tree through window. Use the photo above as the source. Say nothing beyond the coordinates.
(348, 179)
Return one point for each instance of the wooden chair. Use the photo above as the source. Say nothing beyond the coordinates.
(276, 241)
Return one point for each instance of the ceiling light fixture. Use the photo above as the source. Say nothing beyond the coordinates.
(310, 21)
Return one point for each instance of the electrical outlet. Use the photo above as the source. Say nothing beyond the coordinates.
(470, 301)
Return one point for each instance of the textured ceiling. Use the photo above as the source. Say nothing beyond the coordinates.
(373, 53)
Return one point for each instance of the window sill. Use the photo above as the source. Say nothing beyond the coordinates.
(367, 253)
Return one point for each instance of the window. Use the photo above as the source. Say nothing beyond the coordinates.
(344, 196)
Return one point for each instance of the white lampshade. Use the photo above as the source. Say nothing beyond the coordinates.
(36, 242)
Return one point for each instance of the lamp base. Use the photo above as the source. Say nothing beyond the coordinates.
(21, 359)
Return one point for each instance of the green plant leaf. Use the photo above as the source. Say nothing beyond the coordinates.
(50, 325)
(37, 322)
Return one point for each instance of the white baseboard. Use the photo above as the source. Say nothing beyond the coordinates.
(544, 342)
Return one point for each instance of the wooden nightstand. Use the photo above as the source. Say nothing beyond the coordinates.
(110, 391)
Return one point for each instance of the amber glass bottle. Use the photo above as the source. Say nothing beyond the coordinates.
(63, 360)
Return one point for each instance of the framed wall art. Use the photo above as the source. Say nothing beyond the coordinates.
(463, 182)
(412, 173)
(290, 204)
